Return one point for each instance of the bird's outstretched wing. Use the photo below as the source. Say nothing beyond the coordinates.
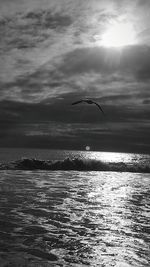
(99, 107)
(77, 102)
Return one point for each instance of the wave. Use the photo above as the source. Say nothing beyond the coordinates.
(75, 164)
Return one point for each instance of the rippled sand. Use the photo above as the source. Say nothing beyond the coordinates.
(74, 219)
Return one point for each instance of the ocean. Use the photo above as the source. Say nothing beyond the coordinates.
(74, 208)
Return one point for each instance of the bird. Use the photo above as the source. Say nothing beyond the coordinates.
(88, 101)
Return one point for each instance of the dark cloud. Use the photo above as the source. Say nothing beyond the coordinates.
(55, 109)
(133, 60)
(57, 124)
(50, 59)
(33, 87)
(26, 31)
(143, 2)
(87, 72)
(146, 101)
(143, 73)
(47, 19)
(59, 109)
(77, 137)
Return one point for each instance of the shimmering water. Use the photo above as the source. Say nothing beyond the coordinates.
(35, 159)
(9, 154)
(72, 218)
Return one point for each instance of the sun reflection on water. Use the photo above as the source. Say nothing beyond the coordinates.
(109, 156)
(110, 198)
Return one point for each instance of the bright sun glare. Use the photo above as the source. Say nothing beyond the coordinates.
(119, 34)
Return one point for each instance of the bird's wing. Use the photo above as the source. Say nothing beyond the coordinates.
(99, 107)
(77, 102)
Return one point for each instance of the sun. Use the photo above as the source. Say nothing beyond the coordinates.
(119, 34)
(87, 148)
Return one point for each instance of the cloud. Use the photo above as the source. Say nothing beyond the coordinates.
(18, 6)
(50, 58)
(27, 30)
(48, 20)
(143, 2)
(40, 33)
(102, 60)
(55, 123)
(146, 101)
(143, 74)
(119, 108)
(30, 39)
(87, 72)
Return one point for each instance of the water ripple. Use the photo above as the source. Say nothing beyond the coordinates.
(74, 219)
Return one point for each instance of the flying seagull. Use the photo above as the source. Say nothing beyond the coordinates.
(88, 101)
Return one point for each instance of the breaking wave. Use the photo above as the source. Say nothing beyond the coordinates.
(75, 164)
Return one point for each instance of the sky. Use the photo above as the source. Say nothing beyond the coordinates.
(55, 52)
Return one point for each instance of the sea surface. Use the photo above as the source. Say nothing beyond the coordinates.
(74, 208)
